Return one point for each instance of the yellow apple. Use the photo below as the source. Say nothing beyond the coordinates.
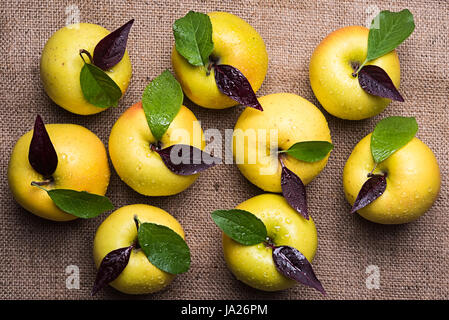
(119, 231)
(236, 43)
(413, 181)
(331, 67)
(142, 168)
(61, 65)
(82, 166)
(287, 119)
(254, 265)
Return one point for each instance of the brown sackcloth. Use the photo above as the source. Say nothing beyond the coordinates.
(413, 259)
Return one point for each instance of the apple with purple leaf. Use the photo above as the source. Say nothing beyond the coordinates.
(139, 249)
(156, 145)
(392, 177)
(86, 86)
(355, 72)
(267, 244)
(60, 172)
(283, 148)
(219, 59)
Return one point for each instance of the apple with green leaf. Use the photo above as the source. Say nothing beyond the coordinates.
(85, 69)
(60, 172)
(392, 177)
(284, 147)
(355, 72)
(219, 59)
(139, 249)
(267, 244)
(156, 145)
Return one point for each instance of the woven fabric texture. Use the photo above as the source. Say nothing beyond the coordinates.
(413, 259)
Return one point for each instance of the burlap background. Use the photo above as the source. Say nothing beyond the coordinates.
(413, 258)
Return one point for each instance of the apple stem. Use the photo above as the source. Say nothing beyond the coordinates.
(39, 185)
(137, 222)
(209, 68)
(269, 243)
(42, 183)
(86, 53)
(371, 173)
(156, 147)
(354, 74)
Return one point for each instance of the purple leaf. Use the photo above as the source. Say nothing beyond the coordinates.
(42, 155)
(186, 160)
(294, 265)
(111, 266)
(294, 191)
(110, 50)
(234, 84)
(376, 81)
(372, 189)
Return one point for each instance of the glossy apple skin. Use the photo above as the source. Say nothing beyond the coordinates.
(413, 181)
(253, 265)
(330, 72)
(82, 166)
(294, 119)
(119, 231)
(140, 167)
(61, 64)
(235, 43)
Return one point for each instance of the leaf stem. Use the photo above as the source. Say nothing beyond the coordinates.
(281, 161)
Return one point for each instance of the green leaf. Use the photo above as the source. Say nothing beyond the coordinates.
(161, 102)
(388, 30)
(391, 134)
(241, 226)
(81, 204)
(98, 88)
(193, 37)
(164, 248)
(309, 151)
